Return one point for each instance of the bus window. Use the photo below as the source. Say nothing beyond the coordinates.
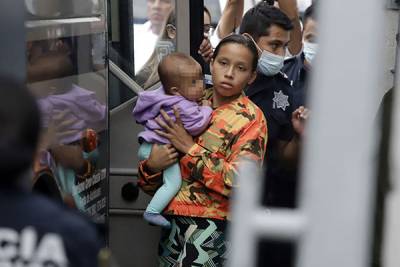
(141, 33)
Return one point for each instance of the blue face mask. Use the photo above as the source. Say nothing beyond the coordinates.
(310, 50)
(270, 64)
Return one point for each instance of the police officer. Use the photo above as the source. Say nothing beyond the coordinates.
(33, 230)
(270, 29)
(297, 68)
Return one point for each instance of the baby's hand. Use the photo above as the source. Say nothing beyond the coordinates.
(206, 103)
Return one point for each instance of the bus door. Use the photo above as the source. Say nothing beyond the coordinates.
(140, 33)
(67, 73)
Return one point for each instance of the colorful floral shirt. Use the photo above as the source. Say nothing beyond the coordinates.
(237, 131)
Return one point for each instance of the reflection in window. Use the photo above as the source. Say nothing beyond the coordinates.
(71, 97)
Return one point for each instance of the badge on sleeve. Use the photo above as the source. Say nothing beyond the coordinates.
(280, 100)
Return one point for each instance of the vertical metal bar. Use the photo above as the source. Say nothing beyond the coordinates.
(196, 29)
(13, 44)
(107, 36)
(251, 221)
(337, 192)
(391, 257)
(126, 37)
(182, 9)
(244, 203)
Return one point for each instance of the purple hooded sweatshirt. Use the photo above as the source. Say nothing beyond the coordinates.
(195, 118)
(80, 106)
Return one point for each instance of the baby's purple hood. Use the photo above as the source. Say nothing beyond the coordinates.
(149, 104)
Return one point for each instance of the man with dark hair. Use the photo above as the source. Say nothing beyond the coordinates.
(270, 28)
(33, 230)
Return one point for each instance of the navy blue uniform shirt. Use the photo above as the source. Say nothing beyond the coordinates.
(273, 95)
(35, 231)
(297, 72)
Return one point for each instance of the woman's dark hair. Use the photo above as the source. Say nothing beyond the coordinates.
(19, 131)
(242, 40)
(258, 20)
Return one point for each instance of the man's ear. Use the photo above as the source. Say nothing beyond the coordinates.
(253, 77)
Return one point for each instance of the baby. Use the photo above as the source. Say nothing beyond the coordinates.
(182, 87)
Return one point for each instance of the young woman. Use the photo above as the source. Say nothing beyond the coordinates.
(200, 210)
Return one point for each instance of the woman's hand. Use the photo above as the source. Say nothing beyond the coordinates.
(161, 157)
(175, 132)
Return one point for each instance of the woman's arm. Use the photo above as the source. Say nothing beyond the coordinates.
(150, 170)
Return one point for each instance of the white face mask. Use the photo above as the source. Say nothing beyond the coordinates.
(270, 64)
(310, 50)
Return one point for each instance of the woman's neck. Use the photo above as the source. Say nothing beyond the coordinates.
(219, 100)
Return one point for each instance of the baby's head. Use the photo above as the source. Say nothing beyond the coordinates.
(181, 75)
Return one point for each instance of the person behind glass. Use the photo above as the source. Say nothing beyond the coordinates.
(200, 210)
(165, 45)
(298, 68)
(35, 231)
(182, 87)
(146, 35)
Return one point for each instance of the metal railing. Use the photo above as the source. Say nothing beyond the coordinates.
(124, 78)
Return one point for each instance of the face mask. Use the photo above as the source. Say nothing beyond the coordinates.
(310, 50)
(270, 64)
